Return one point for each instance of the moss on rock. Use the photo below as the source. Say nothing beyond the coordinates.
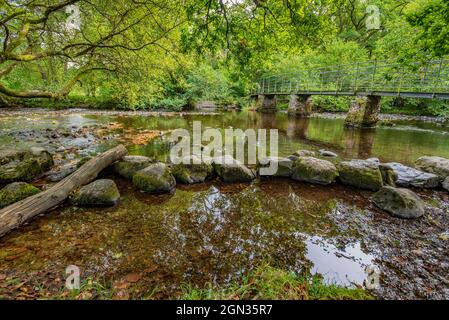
(435, 165)
(15, 192)
(309, 169)
(44, 157)
(15, 171)
(100, 193)
(361, 174)
(231, 170)
(129, 165)
(156, 178)
(190, 173)
(402, 203)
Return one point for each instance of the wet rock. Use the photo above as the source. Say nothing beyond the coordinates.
(444, 236)
(192, 170)
(284, 166)
(402, 203)
(62, 172)
(435, 165)
(43, 156)
(129, 165)
(446, 184)
(8, 155)
(15, 192)
(314, 170)
(329, 154)
(231, 170)
(304, 153)
(26, 170)
(156, 178)
(23, 165)
(389, 176)
(361, 174)
(100, 193)
(411, 177)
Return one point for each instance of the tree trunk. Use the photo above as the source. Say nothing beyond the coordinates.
(16, 214)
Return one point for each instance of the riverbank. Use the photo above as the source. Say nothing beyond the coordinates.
(12, 112)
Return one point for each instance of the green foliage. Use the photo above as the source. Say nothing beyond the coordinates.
(432, 19)
(437, 108)
(331, 104)
(212, 50)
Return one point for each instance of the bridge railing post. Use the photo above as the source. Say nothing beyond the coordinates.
(356, 77)
(337, 80)
(438, 79)
(373, 80)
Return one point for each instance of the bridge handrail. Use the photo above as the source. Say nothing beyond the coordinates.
(431, 76)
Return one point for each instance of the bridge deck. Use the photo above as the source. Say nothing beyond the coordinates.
(428, 80)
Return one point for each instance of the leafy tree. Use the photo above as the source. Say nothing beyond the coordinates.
(38, 37)
(432, 19)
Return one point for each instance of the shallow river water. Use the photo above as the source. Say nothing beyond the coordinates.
(215, 232)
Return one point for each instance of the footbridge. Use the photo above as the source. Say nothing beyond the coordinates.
(366, 81)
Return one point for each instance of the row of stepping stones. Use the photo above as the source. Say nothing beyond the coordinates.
(157, 177)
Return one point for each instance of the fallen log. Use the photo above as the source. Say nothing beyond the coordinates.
(16, 214)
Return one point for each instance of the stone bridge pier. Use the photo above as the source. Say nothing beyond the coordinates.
(364, 112)
(300, 105)
(265, 103)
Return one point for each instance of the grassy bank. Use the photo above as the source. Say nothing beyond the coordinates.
(263, 283)
(267, 283)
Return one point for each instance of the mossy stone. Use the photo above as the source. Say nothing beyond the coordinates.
(313, 170)
(100, 193)
(189, 172)
(25, 170)
(129, 165)
(361, 174)
(231, 170)
(15, 192)
(402, 203)
(43, 156)
(156, 178)
(435, 165)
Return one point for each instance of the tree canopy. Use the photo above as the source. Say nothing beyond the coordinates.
(146, 53)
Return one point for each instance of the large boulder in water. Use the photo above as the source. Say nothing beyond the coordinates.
(435, 165)
(15, 192)
(313, 170)
(411, 177)
(129, 165)
(284, 166)
(363, 174)
(192, 170)
(231, 170)
(402, 203)
(100, 193)
(156, 178)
